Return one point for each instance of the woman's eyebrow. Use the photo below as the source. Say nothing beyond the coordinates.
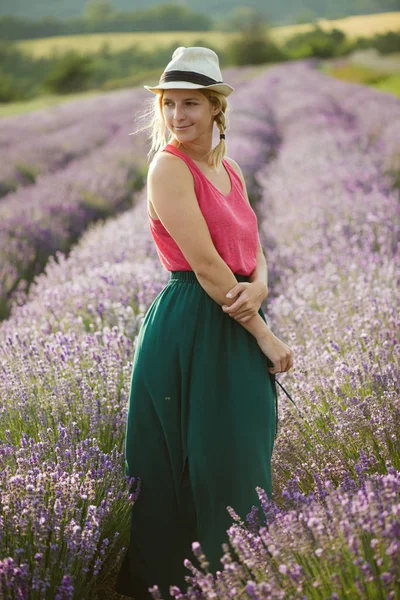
(185, 99)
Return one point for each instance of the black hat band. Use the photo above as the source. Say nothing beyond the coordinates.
(190, 76)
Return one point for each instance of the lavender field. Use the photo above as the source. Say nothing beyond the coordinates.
(322, 160)
(85, 168)
(61, 170)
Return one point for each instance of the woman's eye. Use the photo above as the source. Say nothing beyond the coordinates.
(167, 103)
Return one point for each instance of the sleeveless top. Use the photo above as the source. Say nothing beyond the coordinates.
(230, 219)
(233, 228)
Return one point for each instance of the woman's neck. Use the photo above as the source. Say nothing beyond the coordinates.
(198, 153)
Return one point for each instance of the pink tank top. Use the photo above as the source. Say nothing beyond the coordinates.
(231, 221)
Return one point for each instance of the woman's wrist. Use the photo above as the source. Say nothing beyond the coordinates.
(263, 286)
(257, 327)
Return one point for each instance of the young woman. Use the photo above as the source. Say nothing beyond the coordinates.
(202, 418)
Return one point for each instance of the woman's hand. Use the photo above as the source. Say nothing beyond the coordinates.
(251, 295)
(277, 351)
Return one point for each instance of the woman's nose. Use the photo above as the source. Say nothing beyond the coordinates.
(178, 113)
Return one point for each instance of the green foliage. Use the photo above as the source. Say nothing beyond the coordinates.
(384, 43)
(390, 84)
(27, 172)
(356, 74)
(135, 80)
(19, 28)
(305, 15)
(169, 17)
(318, 43)
(22, 77)
(100, 17)
(134, 64)
(395, 174)
(71, 73)
(20, 74)
(7, 186)
(254, 50)
(279, 12)
(98, 10)
(242, 19)
(363, 75)
(254, 45)
(137, 178)
(9, 88)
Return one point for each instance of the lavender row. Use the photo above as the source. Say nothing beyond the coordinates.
(339, 224)
(47, 140)
(318, 549)
(65, 365)
(51, 215)
(330, 206)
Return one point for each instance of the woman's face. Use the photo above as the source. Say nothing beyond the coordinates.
(188, 114)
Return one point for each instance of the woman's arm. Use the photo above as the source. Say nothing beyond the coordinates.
(171, 189)
(260, 272)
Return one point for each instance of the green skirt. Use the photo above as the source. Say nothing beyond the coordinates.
(202, 420)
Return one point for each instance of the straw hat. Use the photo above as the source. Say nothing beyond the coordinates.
(192, 69)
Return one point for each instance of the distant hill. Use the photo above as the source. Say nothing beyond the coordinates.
(286, 12)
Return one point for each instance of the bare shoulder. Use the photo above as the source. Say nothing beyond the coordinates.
(168, 167)
(235, 165)
(238, 170)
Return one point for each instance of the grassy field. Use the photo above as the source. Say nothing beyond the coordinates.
(363, 75)
(391, 85)
(370, 58)
(367, 67)
(91, 43)
(352, 26)
(16, 108)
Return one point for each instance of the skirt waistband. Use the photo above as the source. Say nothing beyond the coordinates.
(189, 276)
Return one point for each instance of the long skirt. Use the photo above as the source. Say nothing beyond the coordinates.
(202, 420)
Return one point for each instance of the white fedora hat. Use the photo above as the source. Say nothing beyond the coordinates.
(192, 68)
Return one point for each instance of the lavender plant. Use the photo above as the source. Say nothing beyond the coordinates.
(45, 141)
(51, 215)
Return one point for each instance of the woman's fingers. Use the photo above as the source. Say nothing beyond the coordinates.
(236, 289)
(235, 306)
(245, 315)
(241, 319)
(282, 366)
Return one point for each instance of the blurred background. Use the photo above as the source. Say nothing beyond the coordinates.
(52, 49)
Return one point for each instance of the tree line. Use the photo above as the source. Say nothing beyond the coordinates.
(23, 77)
(99, 19)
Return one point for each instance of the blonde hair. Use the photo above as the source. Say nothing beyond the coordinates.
(152, 119)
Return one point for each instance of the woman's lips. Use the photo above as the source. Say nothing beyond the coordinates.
(185, 127)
